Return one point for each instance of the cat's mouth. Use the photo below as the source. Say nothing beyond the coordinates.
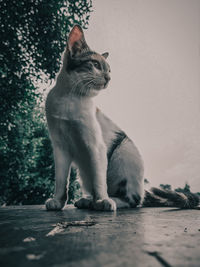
(99, 86)
(106, 84)
(102, 85)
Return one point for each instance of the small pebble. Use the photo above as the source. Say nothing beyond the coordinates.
(34, 257)
(29, 239)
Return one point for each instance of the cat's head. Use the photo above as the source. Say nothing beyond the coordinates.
(87, 70)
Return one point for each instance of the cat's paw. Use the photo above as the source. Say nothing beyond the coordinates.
(83, 203)
(54, 204)
(133, 200)
(105, 205)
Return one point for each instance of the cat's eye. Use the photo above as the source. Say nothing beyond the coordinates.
(96, 64)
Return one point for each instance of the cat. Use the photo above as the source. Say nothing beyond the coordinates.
(110, 165)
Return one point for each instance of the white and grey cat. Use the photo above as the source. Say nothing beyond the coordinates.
(110, 166)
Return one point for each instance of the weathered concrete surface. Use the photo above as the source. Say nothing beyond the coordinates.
(31, 236)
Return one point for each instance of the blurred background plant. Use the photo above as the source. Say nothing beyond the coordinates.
(33, 36)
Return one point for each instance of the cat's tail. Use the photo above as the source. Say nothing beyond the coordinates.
(156, 197)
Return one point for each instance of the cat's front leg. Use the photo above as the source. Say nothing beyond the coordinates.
(94, 172)
(62, 169)
(101, 200)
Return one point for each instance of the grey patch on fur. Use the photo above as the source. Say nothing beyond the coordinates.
(75, 62)
(123, 183)
(121, 192)
(136, 198)
(133, 200)
(119, 138)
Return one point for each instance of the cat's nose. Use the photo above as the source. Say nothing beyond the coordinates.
(107, 78)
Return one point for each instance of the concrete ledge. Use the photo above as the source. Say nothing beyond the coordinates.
(31, 236)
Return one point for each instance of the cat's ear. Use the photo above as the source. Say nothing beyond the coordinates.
(76, 41)
(105, 55)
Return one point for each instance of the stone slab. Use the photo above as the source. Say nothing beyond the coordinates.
(32, 236)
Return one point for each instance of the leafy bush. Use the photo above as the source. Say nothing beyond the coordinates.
(185, 189)
(33, 36)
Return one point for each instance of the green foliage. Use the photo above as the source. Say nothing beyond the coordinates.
(28, 177)
(185, 189)
(166, 186)
(33, 36)
(74, 190)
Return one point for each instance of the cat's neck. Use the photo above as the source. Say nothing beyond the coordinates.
(62, 85)
(62, 89)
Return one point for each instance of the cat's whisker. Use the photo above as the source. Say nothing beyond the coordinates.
(82, 80)
(75, 85)
(86, 85)
(87, 82)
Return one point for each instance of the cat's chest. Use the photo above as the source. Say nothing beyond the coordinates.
(71, 108)
(72, 122)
